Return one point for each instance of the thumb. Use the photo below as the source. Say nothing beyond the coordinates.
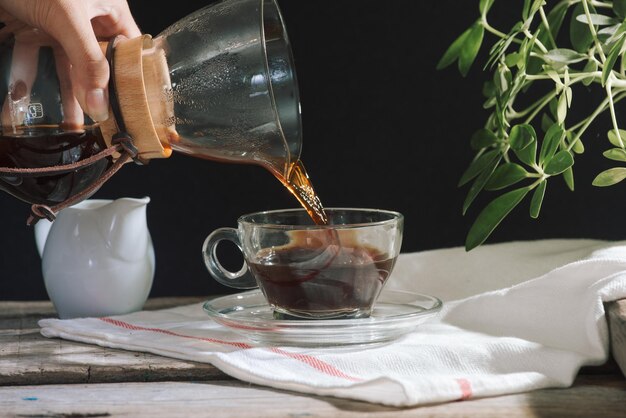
(69, 24)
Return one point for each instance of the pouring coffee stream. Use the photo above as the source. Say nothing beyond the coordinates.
(298, 183)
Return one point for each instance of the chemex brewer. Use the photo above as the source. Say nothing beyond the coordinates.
(219, 84)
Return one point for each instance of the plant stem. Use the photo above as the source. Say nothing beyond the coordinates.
(609, 95)
(592, 30)
(521, 114)
(546, 99)
(585, 123)
(495, 31)
(542, 104)
(544, 19)
(600, 4)
(537, 41)
(579, 76)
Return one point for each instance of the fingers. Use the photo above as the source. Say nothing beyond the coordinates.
(88, 20)
(113, 17)
(72, 113)
(69, 23)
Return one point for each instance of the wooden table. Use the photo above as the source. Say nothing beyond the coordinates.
(42, 377)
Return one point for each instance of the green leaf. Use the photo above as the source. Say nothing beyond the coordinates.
(564, 56)
(597, 20)
(579, 33)
(619, 7)
(484, 6)
(528, 155)
(559, 163)
(607, 33)
(536, 5)
(479, 183)
(568, 176)
(610, 177)
(561, 109)
(611, 58)
(577, 146)
(617, 33)
(492, 215)
(523, 141)
(537, 199)
(496, 51)
(524, 52)
(590, 67)
(512, 59)
(506, 175)
(521, 136)
(489, 103)
(452, 53)
(553, 107)
(489, 89)
(526, 9)
(550, 144)
(614, 139)
(615, 154)
(483, 138)
(470, 48)
(502, 78)
(546, 121)
(477, 166)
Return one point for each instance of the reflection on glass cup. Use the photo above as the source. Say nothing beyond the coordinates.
(312, 271)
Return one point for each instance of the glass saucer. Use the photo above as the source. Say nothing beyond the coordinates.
(395, 314)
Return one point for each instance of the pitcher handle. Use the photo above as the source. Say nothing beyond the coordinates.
(239, 280)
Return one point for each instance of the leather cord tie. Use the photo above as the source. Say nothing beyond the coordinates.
(122, 143)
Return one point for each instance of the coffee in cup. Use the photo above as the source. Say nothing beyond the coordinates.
(305, 270)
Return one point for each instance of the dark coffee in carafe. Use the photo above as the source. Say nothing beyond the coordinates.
(45, 147)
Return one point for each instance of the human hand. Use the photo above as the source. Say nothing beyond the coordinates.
(76, 25)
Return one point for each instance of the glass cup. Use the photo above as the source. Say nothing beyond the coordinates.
(312, 271)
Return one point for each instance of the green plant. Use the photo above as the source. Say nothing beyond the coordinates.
(526, 144)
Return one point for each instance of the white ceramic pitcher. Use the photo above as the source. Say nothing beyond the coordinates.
(97, 257)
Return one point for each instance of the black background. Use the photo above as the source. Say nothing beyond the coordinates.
(382, 128)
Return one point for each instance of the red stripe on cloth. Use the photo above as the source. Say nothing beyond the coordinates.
(466, 389)
(316, 364)
(126, 325)
(304, 358)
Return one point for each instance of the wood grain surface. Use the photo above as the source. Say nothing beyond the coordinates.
(26, 357)
(591, 396)
(616, 313)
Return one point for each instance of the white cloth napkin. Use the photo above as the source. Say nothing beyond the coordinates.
(517, 317)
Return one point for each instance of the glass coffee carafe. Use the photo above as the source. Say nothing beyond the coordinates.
(219, 84)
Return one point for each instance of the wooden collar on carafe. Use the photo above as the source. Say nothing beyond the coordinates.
(140, 85)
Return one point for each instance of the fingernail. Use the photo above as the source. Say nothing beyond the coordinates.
(97, 105)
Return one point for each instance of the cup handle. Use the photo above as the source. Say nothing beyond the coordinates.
(239, 280)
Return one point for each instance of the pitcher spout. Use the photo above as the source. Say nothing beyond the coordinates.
(124, 225)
